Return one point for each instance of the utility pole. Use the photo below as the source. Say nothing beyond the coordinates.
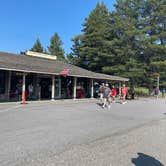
(158, 81)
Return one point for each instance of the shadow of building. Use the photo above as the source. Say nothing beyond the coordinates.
(145, 160)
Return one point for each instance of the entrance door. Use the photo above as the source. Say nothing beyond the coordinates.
(57, 87)
(45, 84)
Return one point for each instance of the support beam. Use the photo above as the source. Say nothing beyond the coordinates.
(158, 81)
(35, 85)
(23, 89)
(8, 84)
(74, 88)
(120, 86)
(59, 81)
(92, 88)
(53, 88)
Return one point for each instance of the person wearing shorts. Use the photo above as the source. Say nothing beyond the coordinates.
(113, 93)
(124, 93)
(106, 96)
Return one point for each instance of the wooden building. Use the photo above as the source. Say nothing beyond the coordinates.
(50, 78)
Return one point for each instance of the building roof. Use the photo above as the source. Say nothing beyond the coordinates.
(24, 63)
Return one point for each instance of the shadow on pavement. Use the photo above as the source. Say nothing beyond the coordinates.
(145, 160)
(99, 104)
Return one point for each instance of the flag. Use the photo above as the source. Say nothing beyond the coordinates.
(64, 72)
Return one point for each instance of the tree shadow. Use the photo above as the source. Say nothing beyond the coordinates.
(145, 160)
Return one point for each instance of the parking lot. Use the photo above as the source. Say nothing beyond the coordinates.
(31, 132)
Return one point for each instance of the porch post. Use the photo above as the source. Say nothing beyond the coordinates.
(23, 89)
(35, 84)
(120, 89)
(8, 84)
(59, 81)
(74, 88)
(92, 88)
(53, 88)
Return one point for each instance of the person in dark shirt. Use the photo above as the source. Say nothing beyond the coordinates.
(163, 92)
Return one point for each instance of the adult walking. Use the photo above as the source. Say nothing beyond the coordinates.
(156, 92)
(124, 93)
(163, 92)
(106, 96)
(101, 92)
(113, 93)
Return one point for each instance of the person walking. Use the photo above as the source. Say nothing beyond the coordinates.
(106, 96)
(124, 93)
(113, 93)
(156, 92)
(101, 93)
(163, 92)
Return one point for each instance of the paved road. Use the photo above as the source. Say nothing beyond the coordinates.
(63, 133)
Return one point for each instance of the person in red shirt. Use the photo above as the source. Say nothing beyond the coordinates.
(113, 93)
(124, 93)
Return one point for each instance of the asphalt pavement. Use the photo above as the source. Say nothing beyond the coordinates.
(81, 133)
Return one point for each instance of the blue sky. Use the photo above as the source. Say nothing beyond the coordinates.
(23, 21)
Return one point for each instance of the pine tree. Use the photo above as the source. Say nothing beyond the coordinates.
(37, 47)
(89, 47)
(74, 57)
(55, 47)
(130, 41)
(124, 41)
(154, 39)
(139, 40)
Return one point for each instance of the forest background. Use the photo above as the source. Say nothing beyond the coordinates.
(129, 42)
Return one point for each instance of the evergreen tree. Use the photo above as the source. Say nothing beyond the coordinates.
(154, 39)
(124, 41)
(130, 41)
(37, 47)
(74, 57)
(55, 47)
(89, 48)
